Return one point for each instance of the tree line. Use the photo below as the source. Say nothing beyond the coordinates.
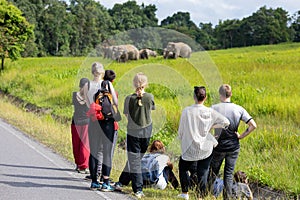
(76, 27)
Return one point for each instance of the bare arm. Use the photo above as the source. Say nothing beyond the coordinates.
(85, 92)
(170, 164)
(251, 126)
(114, 94)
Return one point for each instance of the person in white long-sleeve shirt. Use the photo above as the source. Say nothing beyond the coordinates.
(197, 142)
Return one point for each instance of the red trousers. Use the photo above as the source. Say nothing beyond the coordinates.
(81, 146)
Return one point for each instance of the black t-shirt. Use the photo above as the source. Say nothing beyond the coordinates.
(80, 110)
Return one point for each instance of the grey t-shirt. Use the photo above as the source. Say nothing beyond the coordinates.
(227, 138)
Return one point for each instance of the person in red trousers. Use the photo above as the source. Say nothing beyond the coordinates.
(79, 129)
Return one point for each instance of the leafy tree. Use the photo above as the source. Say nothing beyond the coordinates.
(76, 27)
(267, 26)
(129, 15)
(206, 36)
(14, 31)
(56, 25)
(149, 17)
(91, 25)
(295, 26)
(33, 11)
(29, 8)
(227, 32)
(181, 22)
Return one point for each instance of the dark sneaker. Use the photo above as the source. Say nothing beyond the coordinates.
(88, 177)
(107, 188)
(101, 180)
(118, 186)
(139, 194)
(95, 186)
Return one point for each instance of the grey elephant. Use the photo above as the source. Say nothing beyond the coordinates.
(126, 52)
(177, 49)
(109, 52)
(146, 53)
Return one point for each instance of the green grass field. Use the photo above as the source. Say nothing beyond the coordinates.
(265, 80)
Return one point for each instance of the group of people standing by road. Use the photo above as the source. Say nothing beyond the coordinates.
(202, 154)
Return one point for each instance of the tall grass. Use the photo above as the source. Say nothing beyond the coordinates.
(265, 80)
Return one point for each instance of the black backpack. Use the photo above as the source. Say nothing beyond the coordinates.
(104, 99)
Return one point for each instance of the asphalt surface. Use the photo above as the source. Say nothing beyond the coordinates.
(29, 171)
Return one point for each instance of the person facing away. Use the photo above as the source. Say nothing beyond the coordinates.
(98, 77)
(101, 135)
(197, 142)
(79, 129)
(94, 129)
(107, 134)
(110, 76)
(157, 153)
(229, 139)
(137, 109)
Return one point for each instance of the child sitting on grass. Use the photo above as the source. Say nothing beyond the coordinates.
(240, 187)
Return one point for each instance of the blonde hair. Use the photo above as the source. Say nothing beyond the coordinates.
(225, 90)
(97, 69)
(140, 81)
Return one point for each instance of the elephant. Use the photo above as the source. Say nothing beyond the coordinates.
(168, 54)
(146, 53)
(177, 49)
(126, 52)
(109, 51)
(121, 54)
(152, 53)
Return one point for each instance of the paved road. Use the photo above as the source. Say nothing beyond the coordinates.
(29, 171)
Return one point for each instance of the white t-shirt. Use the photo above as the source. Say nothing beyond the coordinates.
(94, 87)
(162, 162)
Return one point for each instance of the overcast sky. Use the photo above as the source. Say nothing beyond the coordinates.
(206, 11)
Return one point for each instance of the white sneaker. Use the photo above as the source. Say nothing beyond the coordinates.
(139, 194)
(183, 196)
(118, 186)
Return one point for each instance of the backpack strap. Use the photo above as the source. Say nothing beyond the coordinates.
(105, 86)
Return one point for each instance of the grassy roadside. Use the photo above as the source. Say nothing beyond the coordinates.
(40, 127)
